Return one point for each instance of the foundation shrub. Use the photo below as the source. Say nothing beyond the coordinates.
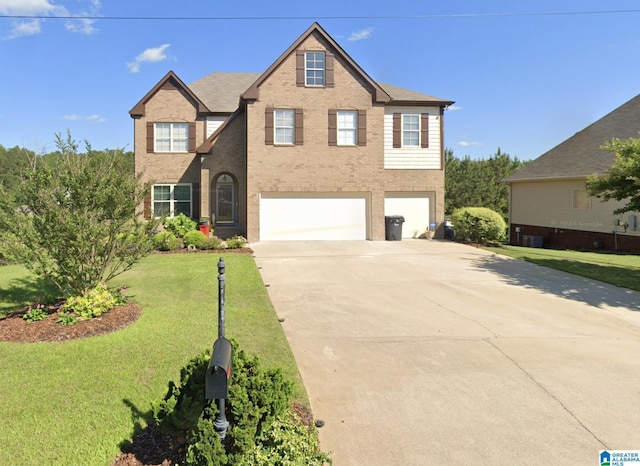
(479, 225)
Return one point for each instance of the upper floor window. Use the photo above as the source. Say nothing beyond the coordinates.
(314, 68)
(171, 137)
(411, 130)
(171, 200)
(347, 122)
(284, 126)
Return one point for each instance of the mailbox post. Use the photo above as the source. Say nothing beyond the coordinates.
(219, 370)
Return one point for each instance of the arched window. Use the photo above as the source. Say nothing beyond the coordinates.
(225, 200)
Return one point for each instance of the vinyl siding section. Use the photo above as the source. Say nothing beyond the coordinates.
(213, 123)
(414, 158)
(550, 204)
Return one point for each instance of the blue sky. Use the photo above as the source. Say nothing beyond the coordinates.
(524, 75)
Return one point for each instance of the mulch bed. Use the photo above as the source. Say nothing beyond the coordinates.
(15, 329)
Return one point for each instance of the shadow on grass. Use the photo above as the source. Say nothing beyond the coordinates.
(22, 291)
(544, 277)
(147, 444)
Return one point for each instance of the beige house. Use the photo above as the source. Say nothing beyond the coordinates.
(311, 149)
(549, 203)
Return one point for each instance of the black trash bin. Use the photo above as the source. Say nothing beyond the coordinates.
(449, 231)
(393, 227)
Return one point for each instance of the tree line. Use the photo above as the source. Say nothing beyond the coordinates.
(478, 183)
(16, 162)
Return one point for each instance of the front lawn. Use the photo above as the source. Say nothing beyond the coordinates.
(76, 402)
(617, 269)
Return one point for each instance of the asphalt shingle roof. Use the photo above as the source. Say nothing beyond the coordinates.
(581, 155)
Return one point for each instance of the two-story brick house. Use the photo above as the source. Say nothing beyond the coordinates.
(312, 148)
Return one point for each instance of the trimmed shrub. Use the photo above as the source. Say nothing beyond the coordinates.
(236, 242)
(195, 238)
(165, 241)
(180, 225)
(257, 410)
(213, 243)
(479, 225)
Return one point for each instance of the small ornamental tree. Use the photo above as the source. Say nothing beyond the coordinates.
(621, 182)
(74, 222)
(479, 225)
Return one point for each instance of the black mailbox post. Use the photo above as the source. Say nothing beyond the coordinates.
(219, 371)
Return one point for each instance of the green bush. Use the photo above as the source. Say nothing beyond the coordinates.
(236, 242)
(213, 243)
(195, 238)
(165, 241)
(479, 225)
(180, 225)
(92, 304)
(258, 403)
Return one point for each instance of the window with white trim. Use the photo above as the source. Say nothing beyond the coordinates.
(314, 68)
(410, 130)
(171, 137)
(171, 200)
(284, 126)
(347, 123)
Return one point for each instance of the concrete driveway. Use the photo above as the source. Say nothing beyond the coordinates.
(422, 352)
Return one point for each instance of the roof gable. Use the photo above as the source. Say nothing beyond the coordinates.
(378, 92)
(169, 81)
(581, 155)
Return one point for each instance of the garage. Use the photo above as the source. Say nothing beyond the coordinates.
(413, 206)
(313, 216)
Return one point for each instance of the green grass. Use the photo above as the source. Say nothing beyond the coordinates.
(76, 402)
(617, 269)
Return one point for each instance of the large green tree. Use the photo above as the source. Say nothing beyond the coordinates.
(478, 183)
(73, 221)
(622, 181)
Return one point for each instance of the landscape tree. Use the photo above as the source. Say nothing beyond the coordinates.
(478, 183)
(73, 221)
(621, 182)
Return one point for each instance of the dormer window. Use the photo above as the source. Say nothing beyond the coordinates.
(314, 68)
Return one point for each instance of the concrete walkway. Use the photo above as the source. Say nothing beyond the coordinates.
(421, 352)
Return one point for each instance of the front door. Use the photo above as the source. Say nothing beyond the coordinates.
(225, 202)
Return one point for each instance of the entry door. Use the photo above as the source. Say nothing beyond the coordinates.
(225, 202)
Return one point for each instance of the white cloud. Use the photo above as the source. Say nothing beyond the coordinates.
(26, 7)
(469, 143)
(82, 24)
(74, 117)
(151, 55)
(25, 28)
(361, 35)
(453, 108)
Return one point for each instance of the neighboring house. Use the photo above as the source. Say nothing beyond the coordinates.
(312, 148)
(549, 203)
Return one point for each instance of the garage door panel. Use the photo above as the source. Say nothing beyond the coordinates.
(285, 218)
(414, 207)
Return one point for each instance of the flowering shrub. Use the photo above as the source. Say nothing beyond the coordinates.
(180, 225)
(236, 242)
(92, 304)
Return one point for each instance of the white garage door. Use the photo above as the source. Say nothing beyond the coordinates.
(290, 217)
(414, 207)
